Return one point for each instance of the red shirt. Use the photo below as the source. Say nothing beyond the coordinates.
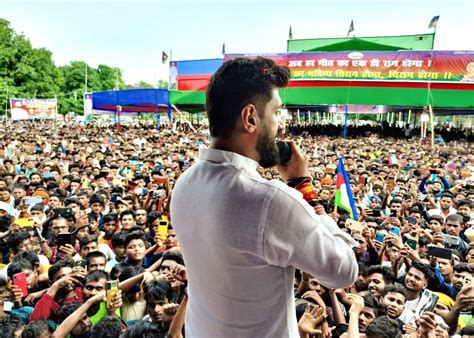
(48, 308)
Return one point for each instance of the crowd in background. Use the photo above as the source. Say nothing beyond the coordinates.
(84, 206)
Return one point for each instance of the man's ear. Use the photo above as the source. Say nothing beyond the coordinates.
(248, 117)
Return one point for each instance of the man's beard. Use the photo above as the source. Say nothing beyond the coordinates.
(267, 149)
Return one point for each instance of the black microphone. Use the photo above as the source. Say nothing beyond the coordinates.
(284, 152)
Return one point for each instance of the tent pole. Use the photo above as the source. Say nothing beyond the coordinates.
(432, 125)
(119, 109)
(157, 117)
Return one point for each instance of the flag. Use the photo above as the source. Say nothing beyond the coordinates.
(223, 48)
(343, 198)
(351, 28)
(290, 34)
(164, 57)
(434, 22)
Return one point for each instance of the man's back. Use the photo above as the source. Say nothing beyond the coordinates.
(240, 272)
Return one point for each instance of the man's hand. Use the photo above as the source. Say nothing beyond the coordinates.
(315, 297)
(297, 166)
(32, 297)
(82, 222)
(319, 209)
(438, 238)
(115, 304)
(465, 298)
(179, 272)
(310, 320)
(169, 310)
(67, 250)
(100, 297)
(357, 304)
(16, 293)
(426, 324)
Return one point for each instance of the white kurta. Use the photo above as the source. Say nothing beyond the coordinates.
(242, 237)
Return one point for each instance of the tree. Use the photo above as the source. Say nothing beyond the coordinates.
(141, 84)
(27, 72)
(163, 84)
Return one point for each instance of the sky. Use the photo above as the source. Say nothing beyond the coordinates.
(131, 35)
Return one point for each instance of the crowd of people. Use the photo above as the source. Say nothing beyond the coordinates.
(88, 246)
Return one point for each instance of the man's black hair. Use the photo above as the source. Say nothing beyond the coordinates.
(18, 267)
(54, 269)
(397, 288)
(386, 271)
(448, 195)
(86, 240)
(127, 212)
(371, 302)
(10, 324)
(467, 331)
(129, 272)
(62, 192)
(30, 256)
(3, 282)
(465, 202)
(235, 84)
(118, 239)
(75, 179)
(71, 200)
(157, 290)
(35, 328)
(82, 193)
(108, 327)
(37, 207)
(61, 198)
(109, 217)
(455, 218)
(16, 239)
(97, 198)
(94, 254)
(424, 268)
(463, 267)
(144, 329)
(66, 310)
(383, 327)
(96, 276)
(173, 255)
(134, 235)
(117, 271)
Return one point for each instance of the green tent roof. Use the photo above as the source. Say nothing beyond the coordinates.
(355, 44)
(380, 43)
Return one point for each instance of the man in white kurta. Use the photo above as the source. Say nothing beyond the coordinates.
(243, 236)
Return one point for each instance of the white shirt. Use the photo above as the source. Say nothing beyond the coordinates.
(438, 211)
(242, 237)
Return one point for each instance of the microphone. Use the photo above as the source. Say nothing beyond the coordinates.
(284, 152)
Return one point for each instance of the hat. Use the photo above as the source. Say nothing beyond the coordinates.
(445, 300)
(41, 193)
(326, 180)
(376, 198)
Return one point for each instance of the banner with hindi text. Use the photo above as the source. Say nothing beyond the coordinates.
(418, 66)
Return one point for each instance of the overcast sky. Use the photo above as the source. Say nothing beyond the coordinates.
(132, 34)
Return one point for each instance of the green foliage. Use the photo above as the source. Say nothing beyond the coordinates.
(140, 84)
(27, 72)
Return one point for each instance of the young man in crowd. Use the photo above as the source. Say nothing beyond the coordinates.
(378, 278)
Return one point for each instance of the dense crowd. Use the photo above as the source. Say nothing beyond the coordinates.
(88, 247)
